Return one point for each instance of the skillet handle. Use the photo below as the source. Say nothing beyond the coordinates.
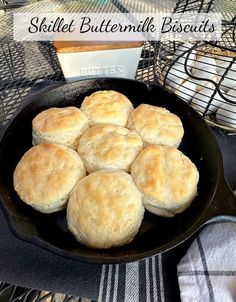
(223, 207)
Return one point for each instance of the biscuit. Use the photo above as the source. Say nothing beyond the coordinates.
(60, 125)
(107, 107)
(167, 179)
(105, 209)
(45, 176)
(109, 147)
(156, 125)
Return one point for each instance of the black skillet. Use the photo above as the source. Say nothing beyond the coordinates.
(214, 200)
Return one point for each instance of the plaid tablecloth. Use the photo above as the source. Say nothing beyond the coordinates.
(208, 270)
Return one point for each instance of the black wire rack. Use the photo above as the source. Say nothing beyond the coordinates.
(204, 75)
(201, 6)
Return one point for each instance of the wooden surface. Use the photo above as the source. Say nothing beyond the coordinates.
(82, 46)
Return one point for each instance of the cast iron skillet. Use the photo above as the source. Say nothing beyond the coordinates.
(214, 201)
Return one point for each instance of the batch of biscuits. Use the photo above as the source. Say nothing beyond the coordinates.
(106, 162)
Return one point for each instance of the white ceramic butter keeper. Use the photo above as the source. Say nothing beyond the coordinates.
(80, 60)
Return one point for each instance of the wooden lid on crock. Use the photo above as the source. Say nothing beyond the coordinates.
(82, 46)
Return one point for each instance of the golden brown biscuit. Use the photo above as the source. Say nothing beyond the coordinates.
(109, 147)
(107, 107)
(60, 125)
(167, 179)
(45, 176)
(156, 125)
(105, 209)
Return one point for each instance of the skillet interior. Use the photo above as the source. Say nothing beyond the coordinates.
(156, 234)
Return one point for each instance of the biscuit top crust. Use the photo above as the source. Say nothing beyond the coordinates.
(59, 119)
(46, 172)
(156, 125)
(110, 142)
(105, 209)
(165, 174)
(107, 106)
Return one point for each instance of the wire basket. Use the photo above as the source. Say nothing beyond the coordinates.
(204, 75)
(203, 6)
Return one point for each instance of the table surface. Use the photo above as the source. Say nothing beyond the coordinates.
(21, 65)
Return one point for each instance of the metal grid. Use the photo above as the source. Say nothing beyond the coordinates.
(21, 64)
(227, 8)
(145, 71)
(145, 6)
(203, 74)
(201, 6)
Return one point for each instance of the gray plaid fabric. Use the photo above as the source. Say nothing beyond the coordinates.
(131, 282)
(208, 270)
